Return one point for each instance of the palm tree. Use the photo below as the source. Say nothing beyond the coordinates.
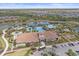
(71, 53)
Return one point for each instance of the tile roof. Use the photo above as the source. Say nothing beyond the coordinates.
(34, 37)
(51, 35)
(27, 37)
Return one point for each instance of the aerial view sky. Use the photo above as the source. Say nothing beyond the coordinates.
(37, 5)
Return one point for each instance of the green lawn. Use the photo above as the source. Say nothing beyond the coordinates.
(19, 52)
(2, 44)
(62, 40)
(10, 44)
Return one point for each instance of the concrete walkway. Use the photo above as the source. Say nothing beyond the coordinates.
(6, 43)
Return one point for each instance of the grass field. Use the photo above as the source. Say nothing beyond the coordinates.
(19, 52)
(2, 44)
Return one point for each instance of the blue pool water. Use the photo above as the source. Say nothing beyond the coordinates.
(51, 26)
(39, 29)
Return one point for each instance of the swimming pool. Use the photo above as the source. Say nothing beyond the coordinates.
(51, 26)
(39, 29)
